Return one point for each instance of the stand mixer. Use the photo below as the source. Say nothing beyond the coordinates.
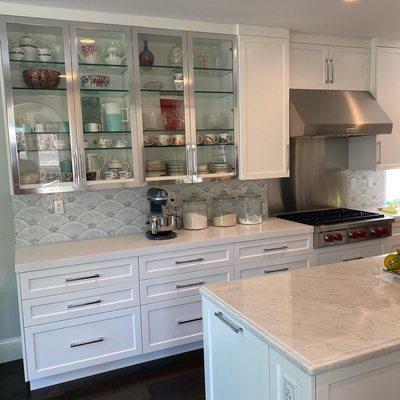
(162, 218)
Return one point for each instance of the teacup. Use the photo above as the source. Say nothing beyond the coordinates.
(124, 174)
(202, 168)
(226, 138)
(121, 143)
(163, 140)
(110, 175)
(103, 142)
(178, 81)
(117, 164)
(91, 175)
(211, 138)
(62, 144)
(178, 140)
(148, 140)
(92, 127)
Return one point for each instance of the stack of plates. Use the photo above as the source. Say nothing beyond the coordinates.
(176, 167)
(156, 168)
(219, 168)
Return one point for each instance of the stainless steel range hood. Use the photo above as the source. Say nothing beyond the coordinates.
(336, 113)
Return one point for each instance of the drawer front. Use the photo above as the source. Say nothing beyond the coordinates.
(396, 229)
(182, 285)
(393, 244)
(83, 342)
(259, 250)
(172, 323)
(371, 250)
(65, 306)
(266, 268)
(185, 261)
(78, 277)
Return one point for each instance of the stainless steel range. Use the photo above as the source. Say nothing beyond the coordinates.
(337, 226)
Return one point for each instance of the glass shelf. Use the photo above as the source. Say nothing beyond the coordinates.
(104, 68)
(108, 132)
(42, 151)
(44, 133)
(215, 130)
(172, 91)
(209, 94)
(26, 62)
(163, 131)
(105, 90)
(109, 148)
(161, 67)
(212, 72)
(39, 89)
(183, 145)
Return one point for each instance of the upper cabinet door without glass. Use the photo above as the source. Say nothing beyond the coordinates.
(161, 61)
(39, 103)
(103, 75)
(213, 104)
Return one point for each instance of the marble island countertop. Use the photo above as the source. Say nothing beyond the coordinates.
(320, 318)
(80, 251)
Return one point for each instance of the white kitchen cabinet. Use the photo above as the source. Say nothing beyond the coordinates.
(388, 96)
(264, 107)
(315, 66)
(236, 361)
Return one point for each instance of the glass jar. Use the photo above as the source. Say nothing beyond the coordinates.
(249, 208)
(194, 213)
(224, 210)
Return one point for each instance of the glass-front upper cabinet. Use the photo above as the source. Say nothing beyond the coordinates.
(103, 76)
(38, 90)
(162, 63)
(213, 96)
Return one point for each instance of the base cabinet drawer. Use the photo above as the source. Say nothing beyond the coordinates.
(182, 285)
(171, 263)
(78, 277)
(261, 250)
(83, 342)
(171, 323)
(266, 268)
(79, 304)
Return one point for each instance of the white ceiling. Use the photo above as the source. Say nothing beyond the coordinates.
(361, 18)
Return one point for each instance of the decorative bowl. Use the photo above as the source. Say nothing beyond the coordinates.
(95, 81)
(41, 78)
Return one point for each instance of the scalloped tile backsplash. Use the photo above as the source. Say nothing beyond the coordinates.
(102, 213)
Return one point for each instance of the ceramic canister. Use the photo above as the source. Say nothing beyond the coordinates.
(113, 117)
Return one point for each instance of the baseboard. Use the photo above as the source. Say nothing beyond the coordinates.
(10, 349)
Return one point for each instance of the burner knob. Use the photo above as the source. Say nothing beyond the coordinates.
(376, 232)
(363, 234)
(339, 237)
(354, 235)
(385, 230)
(329, 238)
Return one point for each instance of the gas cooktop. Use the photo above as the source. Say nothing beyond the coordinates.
(329, 216)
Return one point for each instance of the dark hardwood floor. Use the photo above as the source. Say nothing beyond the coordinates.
(179, 377)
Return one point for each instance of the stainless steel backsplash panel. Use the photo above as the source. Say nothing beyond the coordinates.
(318, 177)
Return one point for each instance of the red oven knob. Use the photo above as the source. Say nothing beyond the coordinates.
(363, 234)
(329, 238)
(376, 232)
(339, 237)
(353, 235)
(385, 230)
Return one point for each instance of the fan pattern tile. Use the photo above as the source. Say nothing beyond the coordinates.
(103, 213)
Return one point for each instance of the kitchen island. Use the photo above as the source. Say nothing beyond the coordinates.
(330, 332)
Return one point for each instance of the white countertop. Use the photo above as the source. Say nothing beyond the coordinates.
(320, 318)
(72, 252)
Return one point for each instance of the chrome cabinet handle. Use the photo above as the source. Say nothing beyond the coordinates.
(270, 271)
(188, 160)
(332, 70)
(352, 259)
(287, 157)
(194, 159)
(276, 248)
(89, 303)
(76, 168)
(78, 344)
(186, 321)
(379, 145)
(327, 71)
(189, 261)
(230, 324)
(81, 278)
(83, 167)
(190, 285)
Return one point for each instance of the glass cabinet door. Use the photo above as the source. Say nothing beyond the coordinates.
(39, 106)
(162, 64)
(214, 97)
(103, 71)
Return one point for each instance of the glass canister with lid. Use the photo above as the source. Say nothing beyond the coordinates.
(250, 208)
(194, 213)
(224, 210)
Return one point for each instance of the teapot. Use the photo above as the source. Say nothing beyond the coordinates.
(114, 55)
(27, 40)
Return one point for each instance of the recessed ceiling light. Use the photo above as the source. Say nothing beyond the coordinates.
(87, 41)
(350, 1)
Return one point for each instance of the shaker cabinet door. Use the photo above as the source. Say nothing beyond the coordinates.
(264, 107)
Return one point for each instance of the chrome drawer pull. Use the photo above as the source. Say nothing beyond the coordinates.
(190, 285)
(277, 248)
(89, 303)
(270, 271)
(231, 325)
(352, 259)
(189, 261)
(78, 344)
(186, 321)
(82, 278)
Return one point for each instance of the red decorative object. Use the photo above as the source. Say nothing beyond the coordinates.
(41, 78)
(174, 112)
